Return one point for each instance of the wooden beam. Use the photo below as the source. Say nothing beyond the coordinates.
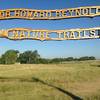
(67, 34)
(33, 14)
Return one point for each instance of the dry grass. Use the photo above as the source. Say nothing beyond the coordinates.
(50, 82)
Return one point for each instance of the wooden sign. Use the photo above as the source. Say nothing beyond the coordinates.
(33, 14)
(68, 34)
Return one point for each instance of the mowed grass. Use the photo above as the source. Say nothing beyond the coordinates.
(50, 81)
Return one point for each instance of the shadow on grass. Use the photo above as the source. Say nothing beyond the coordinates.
(98, 65)
(34, 79)
(95, 65)
(9, 79)
(74, 97)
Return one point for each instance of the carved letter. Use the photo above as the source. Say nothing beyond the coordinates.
(1, 14)
(35, 14)
(47, 35)
(57, 13)
(15, 34)
(23, 13)
(30, 13)
(17, 13)
(72, 35)
(41, 14)
(85, 11)
(70, 12)
(65, 35)
(78, 12)
(92, 33)
(22, 35)
(63, 13)
(8, 13)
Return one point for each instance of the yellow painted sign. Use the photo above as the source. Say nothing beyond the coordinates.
(68, 34)
(32, 14)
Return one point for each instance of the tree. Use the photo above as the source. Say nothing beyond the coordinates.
(69, 59)
(29, 57)
(43, 61)
(9, 57)
(92, 58)
(86, 58)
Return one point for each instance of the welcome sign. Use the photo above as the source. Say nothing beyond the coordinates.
(68, 34)
(32, 14)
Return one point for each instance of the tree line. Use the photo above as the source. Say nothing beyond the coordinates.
(33, 57)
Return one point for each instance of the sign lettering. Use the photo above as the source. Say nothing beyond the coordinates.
(68, 34)
(90, 11)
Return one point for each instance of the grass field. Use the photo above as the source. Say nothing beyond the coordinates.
(68, 81)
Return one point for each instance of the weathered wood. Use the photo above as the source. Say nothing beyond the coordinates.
(68, 34)
(34, 14)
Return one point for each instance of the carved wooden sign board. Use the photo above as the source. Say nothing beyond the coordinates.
(67, 34)
(50, 14)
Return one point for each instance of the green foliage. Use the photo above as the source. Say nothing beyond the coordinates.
(43, 61)
(29, 57)
(56, 60)
(86, 58)
(33, 57)
(69, 59)
(9, 57)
